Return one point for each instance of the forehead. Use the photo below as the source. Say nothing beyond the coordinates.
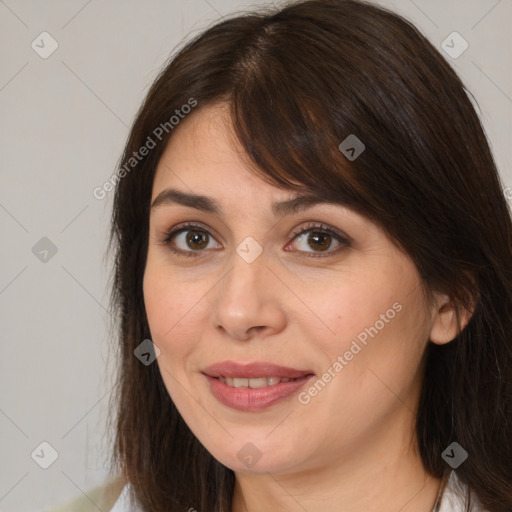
(204, 157)
(204, 161)
(204, 137)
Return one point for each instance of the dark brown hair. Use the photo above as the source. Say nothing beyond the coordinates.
(298, 81)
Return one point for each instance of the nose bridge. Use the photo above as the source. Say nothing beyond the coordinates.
(243, 299)
(245, 277)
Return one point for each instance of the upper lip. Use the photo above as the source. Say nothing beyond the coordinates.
(253, 370)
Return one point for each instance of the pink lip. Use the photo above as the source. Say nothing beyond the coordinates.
(253, 370)
(248, 399)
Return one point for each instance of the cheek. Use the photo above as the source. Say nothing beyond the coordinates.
(379, 321)
(171, 309)
(383, 348)
(159, 304)
(170, 304)
(352, 307)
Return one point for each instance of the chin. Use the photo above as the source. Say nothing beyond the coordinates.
(257, 457)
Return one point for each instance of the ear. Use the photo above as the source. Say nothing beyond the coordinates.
(444, 324)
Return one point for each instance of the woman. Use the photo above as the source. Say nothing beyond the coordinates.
(313, 276)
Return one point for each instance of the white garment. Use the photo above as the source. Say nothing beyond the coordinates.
(123, 503)
(452, 500)
(454, 497)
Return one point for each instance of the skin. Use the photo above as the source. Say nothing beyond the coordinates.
(352, 446)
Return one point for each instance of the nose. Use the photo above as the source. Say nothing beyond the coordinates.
(248, 301)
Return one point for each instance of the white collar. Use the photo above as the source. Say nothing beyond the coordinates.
(123, 503)
(453, 498)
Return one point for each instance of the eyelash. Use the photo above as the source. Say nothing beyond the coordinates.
(311, 227)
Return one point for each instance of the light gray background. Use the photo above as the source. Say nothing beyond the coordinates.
(63, 124)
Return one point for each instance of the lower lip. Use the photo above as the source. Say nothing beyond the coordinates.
(249, 399)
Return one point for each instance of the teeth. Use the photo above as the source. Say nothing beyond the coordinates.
(254, 383)
(259, 382)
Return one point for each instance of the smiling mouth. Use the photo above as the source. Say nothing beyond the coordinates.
(255, 393)
(254, 386)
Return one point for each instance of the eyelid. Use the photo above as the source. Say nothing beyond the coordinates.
(343, 240)
(309, 226)
(182, 226)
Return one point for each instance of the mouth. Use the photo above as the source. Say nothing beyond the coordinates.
(254, 386)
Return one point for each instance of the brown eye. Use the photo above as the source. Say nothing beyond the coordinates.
(319, 239)
(189, 240)
(196, 239)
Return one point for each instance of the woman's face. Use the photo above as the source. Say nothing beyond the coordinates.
(338, 307)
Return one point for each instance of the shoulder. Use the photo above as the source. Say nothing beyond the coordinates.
(454, 497)
(102, 497)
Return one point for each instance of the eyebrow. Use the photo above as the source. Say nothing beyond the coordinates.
(171, 196)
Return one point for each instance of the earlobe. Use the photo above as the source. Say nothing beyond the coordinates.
(444, 327)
